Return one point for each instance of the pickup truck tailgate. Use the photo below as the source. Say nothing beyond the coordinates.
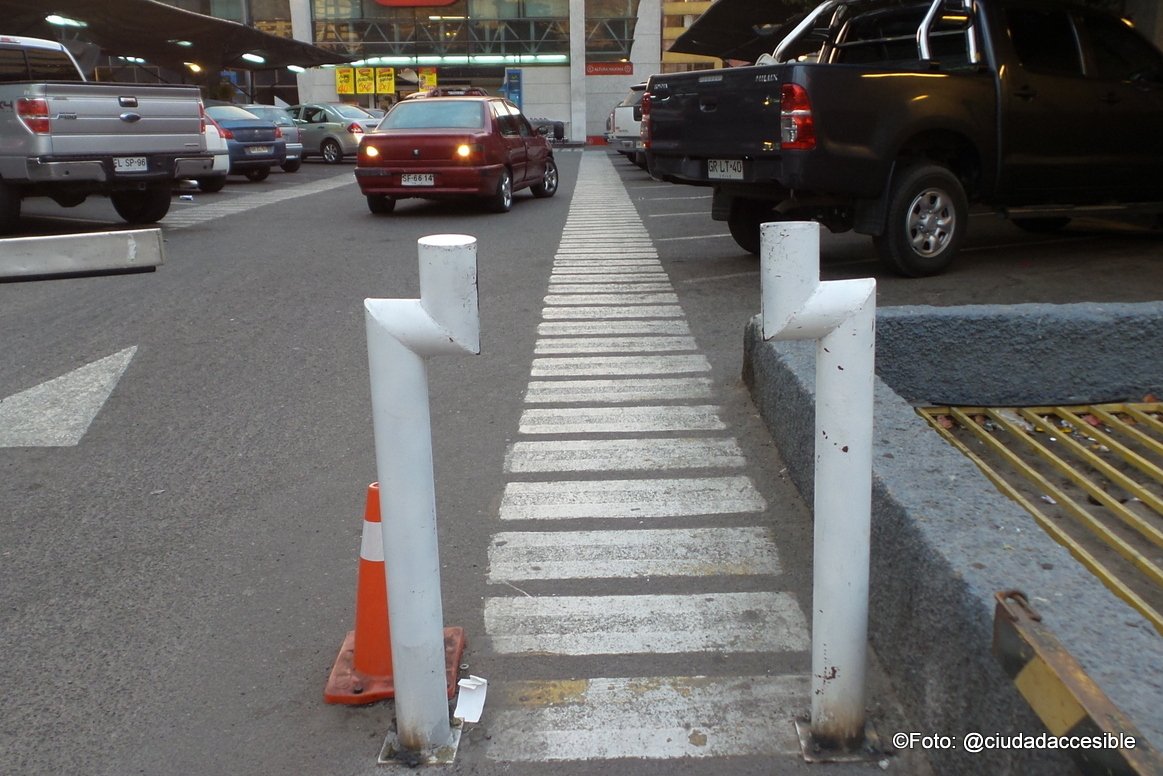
(123, 118)
(731, 112)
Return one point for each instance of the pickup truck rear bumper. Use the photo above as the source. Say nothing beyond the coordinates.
(101, 170)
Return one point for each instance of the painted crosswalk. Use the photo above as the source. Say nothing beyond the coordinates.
(621, 425)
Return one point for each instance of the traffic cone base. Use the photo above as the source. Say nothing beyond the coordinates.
(350, 687)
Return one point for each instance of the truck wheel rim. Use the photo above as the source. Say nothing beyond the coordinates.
(932, 222)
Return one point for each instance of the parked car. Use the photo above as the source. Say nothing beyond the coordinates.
(442, 147)
(331, 129)
(278, 116)
(256, 145)
(215, 144)
(624, 125)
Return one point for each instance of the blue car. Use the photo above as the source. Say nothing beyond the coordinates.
(256, 145)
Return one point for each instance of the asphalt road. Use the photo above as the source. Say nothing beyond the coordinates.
(175, 587)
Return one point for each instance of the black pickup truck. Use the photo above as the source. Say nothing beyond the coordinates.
(891, 117)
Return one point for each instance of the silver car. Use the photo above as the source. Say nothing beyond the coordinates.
(280, 118)
(331, 129)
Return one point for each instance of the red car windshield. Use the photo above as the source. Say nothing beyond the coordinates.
(430, 114)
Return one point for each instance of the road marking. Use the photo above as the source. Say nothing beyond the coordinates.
(613, 391)
(600, 312)
(605, 275)
(618, 365)
(569, 328)
(648, 413)
(656, 552)
(237, 205)
(57, 413)
(613, 345)
(641, 498)
(592, 455)
(633, 420)
(610, 299)
(645, 717)
(646, 624)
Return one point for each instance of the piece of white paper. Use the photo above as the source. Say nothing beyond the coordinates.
(471, 701)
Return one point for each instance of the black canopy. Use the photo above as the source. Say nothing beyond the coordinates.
(149, 29)
(740, 29)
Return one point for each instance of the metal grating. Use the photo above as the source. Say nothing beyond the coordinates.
(1090, 476)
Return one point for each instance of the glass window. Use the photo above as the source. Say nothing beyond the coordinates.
(1044, 41)
(12, 65)
(505, 120)
(1120, 54)
(431, 114)
(47, 65)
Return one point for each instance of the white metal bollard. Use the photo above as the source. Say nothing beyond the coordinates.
(401, 334)
(841, 316)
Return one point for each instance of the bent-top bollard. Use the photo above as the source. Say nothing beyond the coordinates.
(841, 316)
(401, 334)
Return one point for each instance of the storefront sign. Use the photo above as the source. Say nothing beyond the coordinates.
(365, 80)
(386, 80)
(427, 78)
(344, 80)
(609, 68)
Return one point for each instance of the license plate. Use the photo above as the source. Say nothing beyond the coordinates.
(130, 164)
(725, 169)
(258, 150)
(418, 179)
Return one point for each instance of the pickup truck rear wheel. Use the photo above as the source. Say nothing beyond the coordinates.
(145, 206)
(9, 208)
(744, 221)
(928, 214)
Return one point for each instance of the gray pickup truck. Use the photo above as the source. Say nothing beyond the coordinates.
(891, 117)
(66, 138)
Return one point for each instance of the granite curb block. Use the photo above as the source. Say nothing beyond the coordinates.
(944, 540)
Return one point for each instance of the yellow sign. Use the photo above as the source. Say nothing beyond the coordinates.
(344, 80)
(386, 80)
(427, 78)
(365, 80)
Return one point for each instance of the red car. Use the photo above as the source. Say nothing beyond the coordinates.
(442, 147)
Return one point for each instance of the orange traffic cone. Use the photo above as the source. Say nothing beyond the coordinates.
(363, 670)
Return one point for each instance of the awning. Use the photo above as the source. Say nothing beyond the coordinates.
(740, 29)
(150, 30)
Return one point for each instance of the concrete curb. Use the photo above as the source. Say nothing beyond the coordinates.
(944, 540)
(134, 250)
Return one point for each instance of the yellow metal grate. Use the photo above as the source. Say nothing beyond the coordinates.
(1090, 476)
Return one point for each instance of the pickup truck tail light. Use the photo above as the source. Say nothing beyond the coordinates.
(644, 126)
(201, 118)
(354, 128)
(278, 133)
(33, 112)
(797, 128)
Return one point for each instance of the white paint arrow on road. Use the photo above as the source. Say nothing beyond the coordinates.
(58, 413)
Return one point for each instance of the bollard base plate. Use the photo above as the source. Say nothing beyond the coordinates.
(870, 751)
(394, 755)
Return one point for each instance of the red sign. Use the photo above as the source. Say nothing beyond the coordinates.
(609, 68)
